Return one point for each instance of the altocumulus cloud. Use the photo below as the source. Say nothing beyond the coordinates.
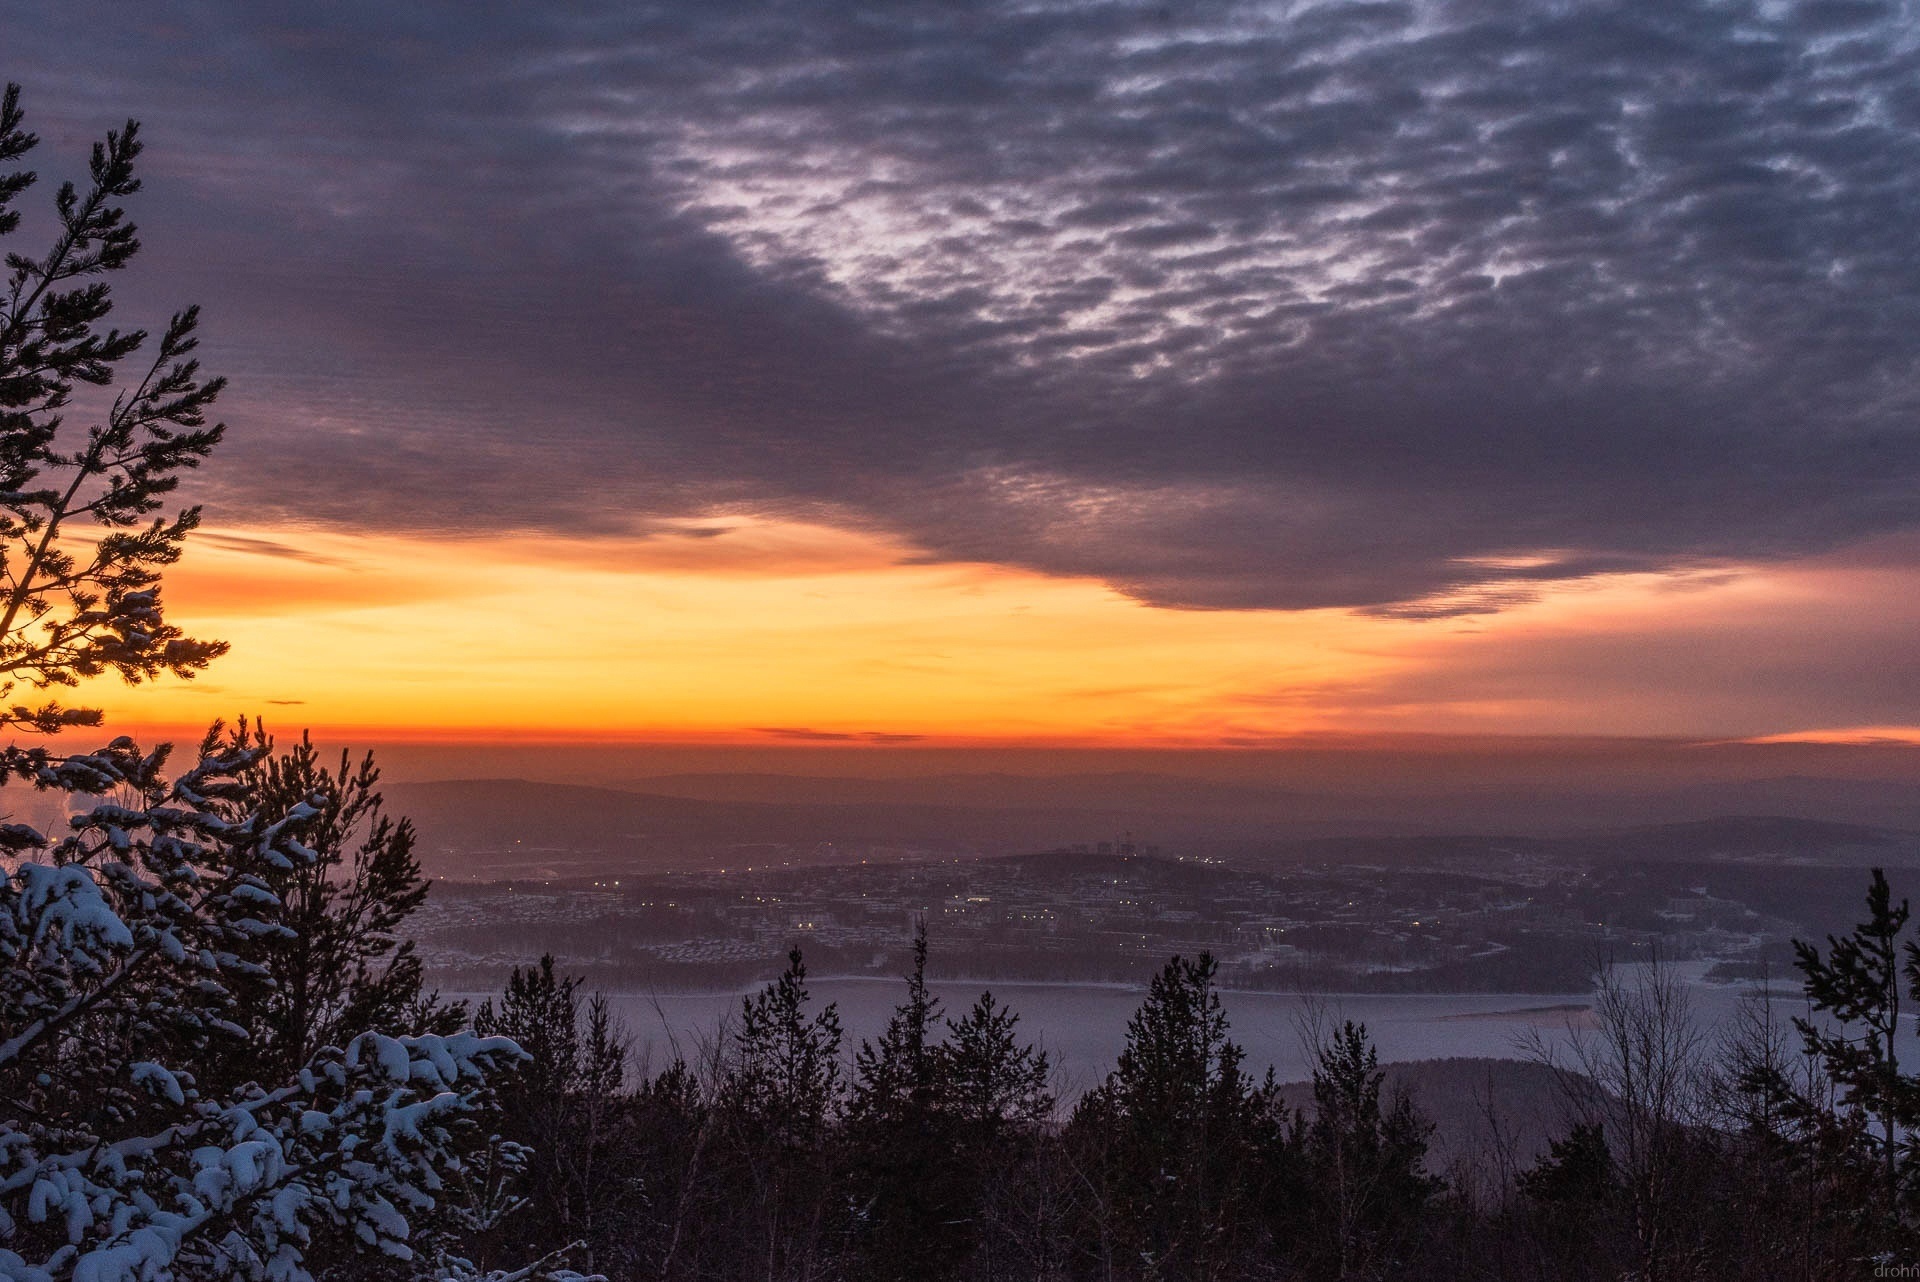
(1404, 307)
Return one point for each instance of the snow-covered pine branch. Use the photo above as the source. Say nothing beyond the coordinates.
(133, 1145)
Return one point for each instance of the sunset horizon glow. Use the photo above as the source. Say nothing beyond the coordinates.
(753, 630)
(1111, 377)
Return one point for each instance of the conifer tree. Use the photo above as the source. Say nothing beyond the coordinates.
(130, 1145)
(1858, 983)
(138, 1138)
(83, 535)
(993, 1081)
(671, 1151)
(909, 1201)
(1184, 1129)
(1578, 1168)
(1808, 1170)
(996, 1091)
(786, 1073)
(898, 1075)
(1571, 1200)
(1364, 1154)
(779, 1099)
(567, 1108)
(347, 967)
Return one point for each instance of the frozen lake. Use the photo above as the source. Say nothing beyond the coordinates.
(1083, 1026)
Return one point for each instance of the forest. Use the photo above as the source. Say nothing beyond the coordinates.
(1777, 1152)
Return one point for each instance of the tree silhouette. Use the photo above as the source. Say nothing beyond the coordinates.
(567, 1107)
(787, 1072)
(1180, 1131)
(780, 1099)
(1364, 1153)
(1858, 983)
(909, 1198)
(899, 1074)
(1000, 1109)
(347, 967)
(993, 1081)
(82, 534)
(139, 1138)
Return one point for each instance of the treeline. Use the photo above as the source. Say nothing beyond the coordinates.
(937, 1151)
(940, 1151)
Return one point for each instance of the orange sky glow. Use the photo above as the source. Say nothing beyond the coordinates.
(772, 631)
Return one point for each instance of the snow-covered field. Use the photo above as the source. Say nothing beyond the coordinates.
(1082, 1026)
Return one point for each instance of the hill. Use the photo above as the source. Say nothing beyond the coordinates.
(513, 827)
(1489, 1115)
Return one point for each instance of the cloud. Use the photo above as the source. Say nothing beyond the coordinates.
(256, 546)
(1825, 642)
(1862, 736)
(1412, 308)
(807, 735)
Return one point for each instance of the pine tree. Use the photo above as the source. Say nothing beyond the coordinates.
(779, 1099)
(672, 1149)
(995, 1089)
(992, 1080)
(346, 968)
(910, 1206)
(786, 1072)
(129, 1146)
(897, 1076)
(1364, 1154)
(1578, 1169)
(1180, 1128)
(540, 1011)
(1858, 983)
(567, 1108)
(82, 535)
(1571, 1204)
(139, 1139)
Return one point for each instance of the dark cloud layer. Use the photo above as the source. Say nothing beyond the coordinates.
(1405, 307)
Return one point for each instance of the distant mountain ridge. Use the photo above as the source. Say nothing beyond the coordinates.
(514, 819)
(1754, 838)
(1116, 789)
(1882, 803)
(510, 827)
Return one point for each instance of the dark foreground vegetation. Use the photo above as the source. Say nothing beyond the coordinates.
(940, 1154)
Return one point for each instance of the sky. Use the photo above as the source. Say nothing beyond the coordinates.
(1199, 375)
